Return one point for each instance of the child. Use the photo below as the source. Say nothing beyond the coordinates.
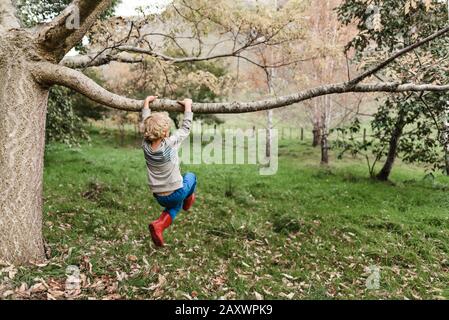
(171, 190)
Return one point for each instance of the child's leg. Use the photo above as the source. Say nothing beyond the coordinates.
(174, 202)
(189, 184)
(174, 210)
(172, 207)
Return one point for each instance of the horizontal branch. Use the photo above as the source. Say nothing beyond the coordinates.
(51, 74)
(163, 56)
(98, 59)
(103, 58)
(174, 59)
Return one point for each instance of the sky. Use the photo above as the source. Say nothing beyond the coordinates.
(127, 7)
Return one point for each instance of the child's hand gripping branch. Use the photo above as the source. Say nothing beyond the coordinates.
(171, 190)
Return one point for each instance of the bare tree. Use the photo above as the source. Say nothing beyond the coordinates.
(30, 63)
(326, 35)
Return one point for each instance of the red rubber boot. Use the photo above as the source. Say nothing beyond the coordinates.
(157, 228)
(188, 202)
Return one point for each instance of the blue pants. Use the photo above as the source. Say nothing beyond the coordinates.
(173, 202)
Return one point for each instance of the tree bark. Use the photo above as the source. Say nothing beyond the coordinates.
(268, 143)
(325, 124)
(23, 106)
(325, 133)
(269, 134)
(96, 60)
(324, 149)
(316, 132)
(60, 35)
(385, 172)
(8, 18)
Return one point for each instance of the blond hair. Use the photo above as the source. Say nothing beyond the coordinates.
(156, 126)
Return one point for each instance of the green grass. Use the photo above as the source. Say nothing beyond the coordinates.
(305, 233)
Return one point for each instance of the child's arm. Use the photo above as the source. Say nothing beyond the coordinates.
(182, 133)
(146, 111)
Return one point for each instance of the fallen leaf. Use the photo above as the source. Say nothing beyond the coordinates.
(288, 296)
(38, 287)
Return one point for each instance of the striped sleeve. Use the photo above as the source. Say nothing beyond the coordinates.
(182, 133)
(146, 112)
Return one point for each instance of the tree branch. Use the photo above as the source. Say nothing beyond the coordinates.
(51, 74)
(8, 18)
(173, 59)
(96, 59)
(93, 59)
(398, 54)
(60, 35)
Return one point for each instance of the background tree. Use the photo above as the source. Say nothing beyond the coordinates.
(63, 124)
(385, 26)
(327, 40)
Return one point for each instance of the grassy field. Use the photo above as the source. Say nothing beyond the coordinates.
(305, 233)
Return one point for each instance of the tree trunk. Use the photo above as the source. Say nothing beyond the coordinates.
(324, 140)
(446, 140)
(269, 141)
(269, 133)
(325, 131)
(316, 134)
(324, 149)
(23, 107)
(384, 173)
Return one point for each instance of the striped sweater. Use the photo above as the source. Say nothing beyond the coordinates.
(163, 170)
